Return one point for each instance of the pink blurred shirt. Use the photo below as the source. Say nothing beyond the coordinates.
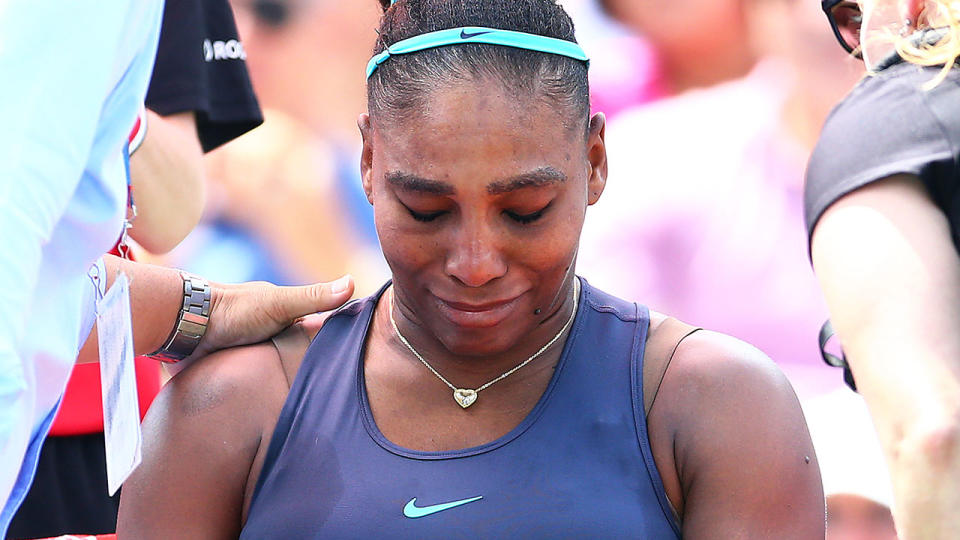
(624, 69)
(702, 219)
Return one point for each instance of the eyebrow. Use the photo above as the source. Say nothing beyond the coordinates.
(412, 182)
(543, 176)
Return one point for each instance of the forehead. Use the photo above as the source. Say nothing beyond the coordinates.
(476, 125)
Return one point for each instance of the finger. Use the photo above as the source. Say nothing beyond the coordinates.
(297, 302)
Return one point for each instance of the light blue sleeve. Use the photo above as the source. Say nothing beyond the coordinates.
(59, 63)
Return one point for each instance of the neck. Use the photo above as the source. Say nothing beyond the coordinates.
(464, 368)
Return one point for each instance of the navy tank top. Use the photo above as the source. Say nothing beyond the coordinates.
(578, 466)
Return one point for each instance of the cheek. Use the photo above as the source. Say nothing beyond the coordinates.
(552, 248)
(403, 250)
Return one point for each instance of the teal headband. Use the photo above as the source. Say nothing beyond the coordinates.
(479, 34)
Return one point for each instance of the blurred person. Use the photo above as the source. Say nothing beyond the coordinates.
(329, 37)
(883, 215)
(705, 195)
(293, 183)
(199, 98)
(696, 43)
(856, 482)
(75, 76)
(624, 68)
(303, 61)
(303, 57)
(280, 183)
(480, 158)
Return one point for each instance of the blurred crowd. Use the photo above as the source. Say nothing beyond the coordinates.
(713, 109)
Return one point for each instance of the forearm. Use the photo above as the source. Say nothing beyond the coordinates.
(909, 378)
(156, 296)
(239, 314)
(892, 281)
(168, 182)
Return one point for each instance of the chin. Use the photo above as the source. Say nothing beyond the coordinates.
(479, 342)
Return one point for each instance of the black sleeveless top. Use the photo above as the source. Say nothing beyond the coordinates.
(578, 466)
(888, 125)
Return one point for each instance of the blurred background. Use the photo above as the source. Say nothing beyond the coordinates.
(713, 107)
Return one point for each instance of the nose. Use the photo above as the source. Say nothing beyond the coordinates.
(475, 258)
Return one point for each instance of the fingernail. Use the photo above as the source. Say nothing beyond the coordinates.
(340, 285)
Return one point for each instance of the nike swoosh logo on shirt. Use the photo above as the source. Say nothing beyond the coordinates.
(465, 35)
(411, 510)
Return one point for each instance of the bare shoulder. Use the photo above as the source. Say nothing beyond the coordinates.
(717, 382)
(201, 439)
(732, 445)
(707, 360)
(733, 369)
(219, 382)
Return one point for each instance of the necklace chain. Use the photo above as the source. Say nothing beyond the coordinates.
(465, 396)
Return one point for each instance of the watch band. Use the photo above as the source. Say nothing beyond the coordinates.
(191, 322)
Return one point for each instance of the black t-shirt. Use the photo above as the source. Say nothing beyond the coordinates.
(200, 67)
(889, 124)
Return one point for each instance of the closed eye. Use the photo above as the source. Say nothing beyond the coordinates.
(527, 218)
(425, 217)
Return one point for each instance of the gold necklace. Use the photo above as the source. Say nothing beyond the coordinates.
(466, 397)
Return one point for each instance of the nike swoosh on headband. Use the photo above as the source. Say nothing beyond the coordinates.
(411, 510)
(465, 35)
(479, 34)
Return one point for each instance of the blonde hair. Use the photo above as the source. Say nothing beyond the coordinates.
(945, 15)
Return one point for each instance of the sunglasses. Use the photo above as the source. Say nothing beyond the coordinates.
(845, 19)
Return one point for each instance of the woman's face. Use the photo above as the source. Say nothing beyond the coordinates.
(691, 34)
(479, 199)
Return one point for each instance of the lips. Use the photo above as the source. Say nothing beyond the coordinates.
(476, 315)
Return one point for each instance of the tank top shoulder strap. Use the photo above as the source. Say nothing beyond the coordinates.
(292, 345)
(662, 343)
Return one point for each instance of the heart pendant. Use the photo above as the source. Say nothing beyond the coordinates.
(465, 397)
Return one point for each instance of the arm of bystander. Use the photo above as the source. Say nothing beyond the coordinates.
(891, 276)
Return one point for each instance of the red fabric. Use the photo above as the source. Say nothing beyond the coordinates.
(81, 410)
(135, 131)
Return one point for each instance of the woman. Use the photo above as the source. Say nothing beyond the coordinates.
(488, 392)
(883, 213)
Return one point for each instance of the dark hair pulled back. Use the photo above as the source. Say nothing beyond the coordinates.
(401, 85)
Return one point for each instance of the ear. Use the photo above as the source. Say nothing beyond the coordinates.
(910, 11)
(366, 156)
(597, 157)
